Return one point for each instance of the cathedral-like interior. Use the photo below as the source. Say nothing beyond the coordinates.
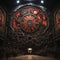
(29, 30)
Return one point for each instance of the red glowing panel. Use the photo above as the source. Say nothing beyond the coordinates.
(29, 19)
(39, 19)
(44, 22)
(36, 11)
(15, 25)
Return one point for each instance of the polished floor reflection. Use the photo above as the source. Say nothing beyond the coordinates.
(31, 57)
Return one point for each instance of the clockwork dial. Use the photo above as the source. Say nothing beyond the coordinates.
(30, 19)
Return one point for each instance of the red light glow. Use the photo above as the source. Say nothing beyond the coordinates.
(36, 11)
(14, 25)
(44, 22)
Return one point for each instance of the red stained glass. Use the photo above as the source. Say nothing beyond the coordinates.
(15, 25)
(36, 11)
(44, 22)
(39, 18)
(30, 19)
(29, 23)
